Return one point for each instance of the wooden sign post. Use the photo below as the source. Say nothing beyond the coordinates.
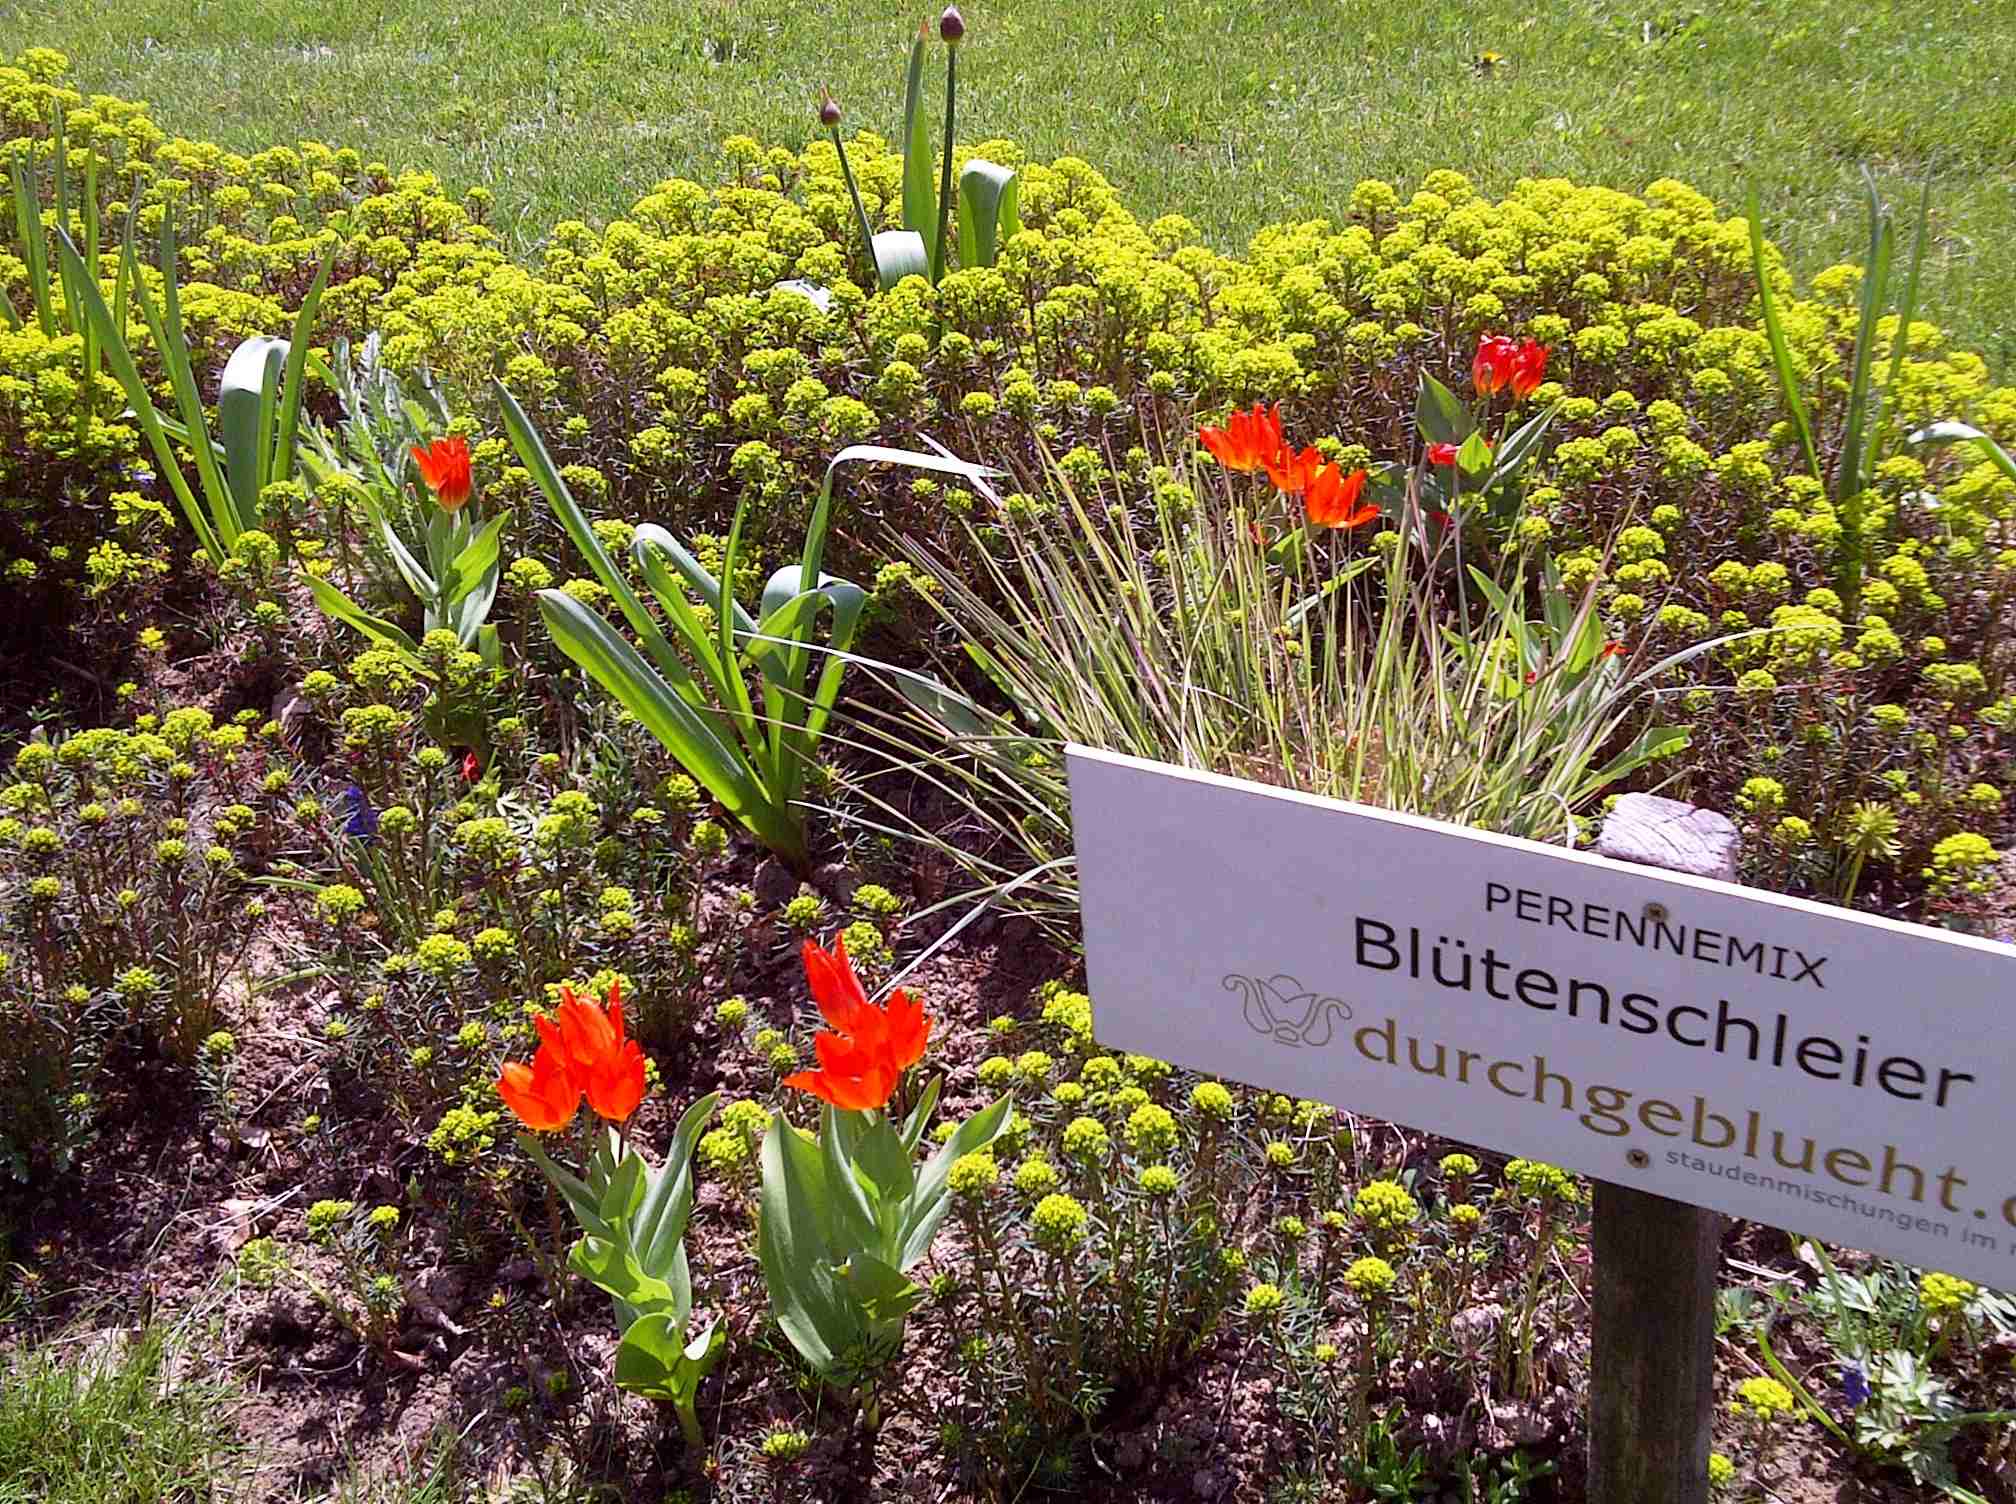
(1653, 1261)
(1692, 1046)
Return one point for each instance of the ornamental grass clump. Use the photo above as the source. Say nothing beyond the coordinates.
(1413, 674)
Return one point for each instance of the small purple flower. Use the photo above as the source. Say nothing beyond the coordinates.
(363, 821)
(1854, 1385)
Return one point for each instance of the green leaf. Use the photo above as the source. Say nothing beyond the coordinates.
(576, 1191)
(532, 454)
(172, 346)
(338, 606)
(246, 408)
(899, 254)
(296, 380)
(658, 1227)
(1440, 414)
(852, 1207)
(652, 548)
(944, 705)
(1474, 457)
(652, 539)
(467, 571)
(688, 734)
(989, 215)
(927, 1203)
(1950, 432)
(792, 1247)
(920, 197)
(974, 475)
(1652, 743)
(1875, 288)
(1774, 329)
(886, 1295)
(657, 1360)
(801, 719)
(879, 1154)
(920, 1116)
(112, 337)
(34, 245)
(624, 1192)
(1519, 447)
(610, 1266)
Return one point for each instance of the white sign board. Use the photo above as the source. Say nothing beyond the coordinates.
(1830, 1072)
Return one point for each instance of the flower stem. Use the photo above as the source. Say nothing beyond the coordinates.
(945, 173)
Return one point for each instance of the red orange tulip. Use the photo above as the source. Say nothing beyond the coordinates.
(1333, 499)
(1491, 366)
(1529, 368)
(1503, 362)
(444, 466)
(582, 1052)
(543, 1094)
(867, 1049)
(1291, 472)
(1248, 441)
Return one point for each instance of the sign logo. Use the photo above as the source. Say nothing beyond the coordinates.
(1285, 1011)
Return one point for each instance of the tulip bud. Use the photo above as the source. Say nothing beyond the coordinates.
(951, 25)
(829, 110)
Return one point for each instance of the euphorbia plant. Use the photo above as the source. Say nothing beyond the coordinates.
(632, 1216)
(846, 1215)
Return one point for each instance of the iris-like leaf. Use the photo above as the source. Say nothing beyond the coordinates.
(1953, 432)
(1774, 331)
(335, 604)
(920, 198)
(989, 216)
(112, 337)
(899, 254)
(689, 734)
(248, 403)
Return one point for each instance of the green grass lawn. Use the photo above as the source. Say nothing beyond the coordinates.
(1234, 112)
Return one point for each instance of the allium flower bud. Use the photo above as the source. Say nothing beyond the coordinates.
(951, 25)
(829, 110)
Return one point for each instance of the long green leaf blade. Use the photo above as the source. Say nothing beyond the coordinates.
(1875, 288)
(297, 369)
(165, 325)
(1774, 330)
(688, 734)
(532, 454)
(142, 402)
(920, 198)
